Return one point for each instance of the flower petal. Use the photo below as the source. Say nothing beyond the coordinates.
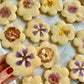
(19, 55)
(75, 70)
(45, 30)
(40, 25)
(19, 62)
(80, 73)
(35, 32)
(41, 34)
(25, 51)
(27, 63)
(77, 63)
(83, 63)
(35, 26)
(31, 56)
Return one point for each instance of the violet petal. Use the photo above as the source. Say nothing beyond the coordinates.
(75, 70)
(45, 30)
(19, 55)
(35, 26)
(40, 25)
(35, 32)
(41, 34)
(80, 73)
(27, 63)
(31, 56)
(77, 63)
(25, 51)
(83, 63)
(19, 62)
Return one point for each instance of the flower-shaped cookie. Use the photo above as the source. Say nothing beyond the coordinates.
(23, 60)
(7, 12)
(73, 11)
(11, 36)
(37, 30)
(47, 54)
(28, 9)
(32, 80)
(76, 67)
(57, 75)
(79, 41)
(62, 33)
(51, 6)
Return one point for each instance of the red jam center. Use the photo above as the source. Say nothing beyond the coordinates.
(28, 3)
(73, 9)
(54, 78)
(46, 54)
(5, 12)
(12, 34)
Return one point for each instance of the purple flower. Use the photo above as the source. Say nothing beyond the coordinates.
(24, 57)
(80, 68)
(39, 29)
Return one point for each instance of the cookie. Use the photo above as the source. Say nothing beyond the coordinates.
(23, 60)
(79, 41)
(57, 75)
(7, 12)
(32, 80)
(76, 67)
(28, 9)
(62, 33)
(51, 6)
(73, 11)
(11, 36)
(48, 54)
(37, 30)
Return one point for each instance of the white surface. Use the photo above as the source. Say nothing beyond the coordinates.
(66, 52)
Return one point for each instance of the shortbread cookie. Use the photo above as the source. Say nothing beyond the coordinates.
(32, 80)
(57, 75)
(47, 53)
(79, 41)
(62, 33)
(76, 67)
(51, 6)
(11, 36)
(73, 11)
(37, 30)
(23, 60)
(7, 12)
(28, 9)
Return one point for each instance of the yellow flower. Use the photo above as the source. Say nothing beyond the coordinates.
(64, 31)
(50, 3)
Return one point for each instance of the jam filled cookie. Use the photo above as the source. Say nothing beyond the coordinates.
(73, 11)
(76, 67)
(37, 30)
(23, 60)
(11, 36)
(57, 75)
(32, 80)
(47, 54)
(28, 9)
(7, 12)
(51, 6)
(79, 41)
(62, 33)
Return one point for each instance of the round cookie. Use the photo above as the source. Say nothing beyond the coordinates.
(62, 33)
(79, 41)
(73, 11)
(32, 80)
(37, 30)
(47, 53)
(57, 75)
(23, 60)
(76, 67)
(28, 9)
(11, 36)
(7, 12)
(51, 6)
